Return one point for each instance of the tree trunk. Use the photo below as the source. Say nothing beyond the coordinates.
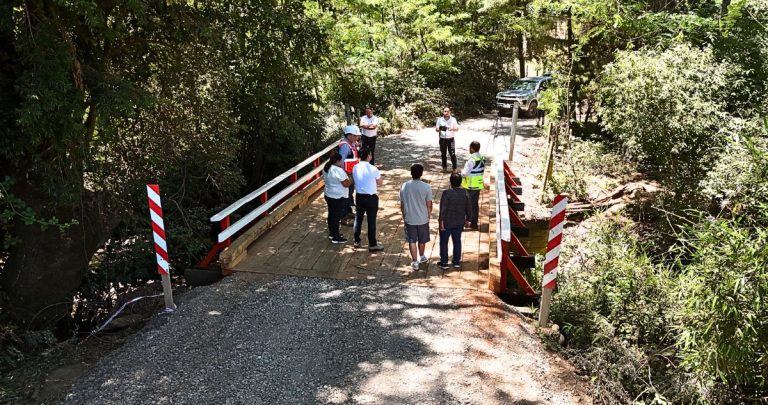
(724, 7)
(573, 83)
(46, 266)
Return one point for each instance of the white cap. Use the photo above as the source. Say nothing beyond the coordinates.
(351, 129)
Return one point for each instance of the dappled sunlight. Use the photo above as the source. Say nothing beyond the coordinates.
(329, 341)
(331, 294)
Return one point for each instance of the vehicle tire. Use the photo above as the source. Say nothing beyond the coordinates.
(533, 109)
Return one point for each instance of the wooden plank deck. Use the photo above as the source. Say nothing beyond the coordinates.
(299, 245)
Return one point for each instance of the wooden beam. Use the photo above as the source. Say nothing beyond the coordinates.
(238, 250)
(494, 262)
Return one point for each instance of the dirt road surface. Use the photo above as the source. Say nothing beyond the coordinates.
(306, 341)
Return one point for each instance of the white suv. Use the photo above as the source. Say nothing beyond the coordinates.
(523, 92)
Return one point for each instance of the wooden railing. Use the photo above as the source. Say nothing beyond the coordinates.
(269, 201)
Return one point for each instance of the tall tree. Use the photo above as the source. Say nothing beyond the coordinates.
(81, 73)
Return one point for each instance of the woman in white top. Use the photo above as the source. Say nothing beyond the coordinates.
(336, 193)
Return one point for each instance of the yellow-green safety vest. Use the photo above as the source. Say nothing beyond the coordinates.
(474, 181)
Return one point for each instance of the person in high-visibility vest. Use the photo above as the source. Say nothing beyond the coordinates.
(472, 180)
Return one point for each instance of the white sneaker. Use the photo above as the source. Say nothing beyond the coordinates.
(423, 259)
(415, 265)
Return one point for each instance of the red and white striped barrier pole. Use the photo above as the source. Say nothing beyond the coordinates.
(161, 247)
(552, 259)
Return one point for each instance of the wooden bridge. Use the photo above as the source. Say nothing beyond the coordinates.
(287, 233)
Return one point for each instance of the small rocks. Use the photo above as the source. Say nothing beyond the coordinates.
(292, 341)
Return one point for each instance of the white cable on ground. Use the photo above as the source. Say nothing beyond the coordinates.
(111, 318)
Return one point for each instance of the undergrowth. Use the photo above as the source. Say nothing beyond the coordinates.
(586, 164)
(647, 331)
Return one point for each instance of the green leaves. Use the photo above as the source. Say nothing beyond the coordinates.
(665, 107)
(723, 332)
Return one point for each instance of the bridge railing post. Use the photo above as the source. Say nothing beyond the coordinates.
(263, 199)
(209, 258)
(295, 178)
(224, 224)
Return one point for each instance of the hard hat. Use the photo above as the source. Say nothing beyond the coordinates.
(351, 129)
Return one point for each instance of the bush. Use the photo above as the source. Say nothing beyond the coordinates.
(666, 109)
(723, 319)
(578, 167)
(739, 180)
(615, 314)
(618, 284)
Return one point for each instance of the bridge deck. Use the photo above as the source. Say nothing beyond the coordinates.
(299, 245)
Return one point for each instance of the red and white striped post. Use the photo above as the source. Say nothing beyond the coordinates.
(552, 259)
(161, 247)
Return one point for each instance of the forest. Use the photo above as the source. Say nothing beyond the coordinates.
(211, 99)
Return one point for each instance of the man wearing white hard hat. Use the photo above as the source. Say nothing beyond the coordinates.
(349, 150)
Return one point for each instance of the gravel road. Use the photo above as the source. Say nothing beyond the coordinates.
(302, 341)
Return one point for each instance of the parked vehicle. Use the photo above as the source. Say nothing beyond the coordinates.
(523, 92)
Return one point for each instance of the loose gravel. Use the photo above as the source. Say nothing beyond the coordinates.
(307, 341)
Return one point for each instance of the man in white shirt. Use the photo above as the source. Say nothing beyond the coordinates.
(446, 126)
(370, 124)
(367, 178)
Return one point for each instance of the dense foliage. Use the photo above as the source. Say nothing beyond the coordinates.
(667, 108)
(672, 308)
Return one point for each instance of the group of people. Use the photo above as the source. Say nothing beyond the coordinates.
(352, 179)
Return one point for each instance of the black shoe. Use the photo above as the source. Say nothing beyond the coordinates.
(375, 248)
(444, 266)
(356, 244)
(339, 240)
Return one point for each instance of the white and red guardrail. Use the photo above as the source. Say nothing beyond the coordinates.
(552, 259)
(268, 202)
(161, 246)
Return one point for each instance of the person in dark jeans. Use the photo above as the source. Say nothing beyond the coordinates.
(367, 178)
(455, 212)
(448, 147)
(348, 149)
(336, 184)
(446, 127)
(473, 180)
